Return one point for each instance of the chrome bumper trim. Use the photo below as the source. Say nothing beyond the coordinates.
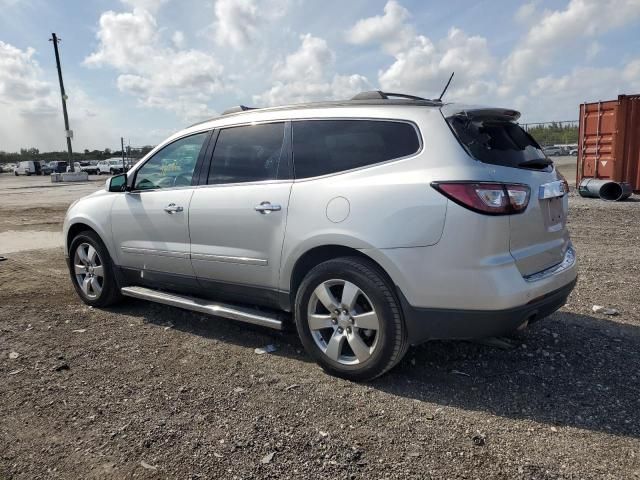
(568, 262)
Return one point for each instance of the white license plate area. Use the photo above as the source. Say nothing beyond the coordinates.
(554, 213)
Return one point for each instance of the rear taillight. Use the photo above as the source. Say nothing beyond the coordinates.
(485, 197)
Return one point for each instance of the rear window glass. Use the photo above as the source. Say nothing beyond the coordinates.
(321, 147)
(498, 142)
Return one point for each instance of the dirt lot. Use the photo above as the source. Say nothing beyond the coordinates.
(147, 391)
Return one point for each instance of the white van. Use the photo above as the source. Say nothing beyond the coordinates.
(28, 167)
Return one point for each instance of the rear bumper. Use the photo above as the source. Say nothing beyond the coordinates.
(436, 323)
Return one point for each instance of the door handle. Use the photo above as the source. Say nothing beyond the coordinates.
(266, 207)
(173, 208)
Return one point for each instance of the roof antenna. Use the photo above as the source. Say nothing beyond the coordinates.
(445, 87)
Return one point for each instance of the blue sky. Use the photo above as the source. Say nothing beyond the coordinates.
(145, 68)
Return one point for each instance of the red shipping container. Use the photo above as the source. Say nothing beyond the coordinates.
(609, 141)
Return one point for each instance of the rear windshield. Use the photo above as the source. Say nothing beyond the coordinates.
(498, 142)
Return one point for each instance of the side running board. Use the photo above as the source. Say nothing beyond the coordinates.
(242, 314)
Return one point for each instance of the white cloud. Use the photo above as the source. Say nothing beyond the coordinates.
(560, 29)
(558, 97)
(236, 21)
(149, 5)
(241, 23)
(593, 50)
(309, 62)
(30, 111)
(21, 83)
(160, 76)
(424, 67)
(178, 39)
(389, 30)
(526, 12)
(340, 87)
(421, 66)
(306, 75)
(127, 40)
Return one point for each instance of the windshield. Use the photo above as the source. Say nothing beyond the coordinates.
(498, 142)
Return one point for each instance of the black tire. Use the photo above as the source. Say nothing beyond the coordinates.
(110, 293)
(16, 173)
(391, 343)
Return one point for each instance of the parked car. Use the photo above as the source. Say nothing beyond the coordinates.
(58, 166)
(45, 168)
(403, 224)
(28, 167)
(110, 167)
(573, 152)
(554, 151)
(91, 169)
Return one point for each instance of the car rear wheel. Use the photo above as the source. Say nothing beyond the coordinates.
(349, 319)
(91, 271)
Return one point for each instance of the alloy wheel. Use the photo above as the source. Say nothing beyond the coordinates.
(343, 322)
(89, 270)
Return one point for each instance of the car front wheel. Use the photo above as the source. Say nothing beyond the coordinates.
(92, 271)
(349, 319)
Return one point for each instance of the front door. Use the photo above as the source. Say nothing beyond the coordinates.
(150, 223)
(237, 221)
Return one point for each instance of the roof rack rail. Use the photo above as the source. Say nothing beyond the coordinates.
(379, 95)
(239, 108)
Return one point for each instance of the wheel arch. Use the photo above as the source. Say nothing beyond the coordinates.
(84, 225)
(322, 253)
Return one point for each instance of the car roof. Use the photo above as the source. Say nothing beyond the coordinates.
(374, 98)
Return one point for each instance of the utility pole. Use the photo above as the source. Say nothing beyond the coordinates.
(68, 133)
(124, 168)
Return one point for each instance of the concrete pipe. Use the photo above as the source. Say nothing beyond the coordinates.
(605, 189)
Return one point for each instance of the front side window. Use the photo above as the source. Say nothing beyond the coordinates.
(321, 147)
(247, 154)
(173, 166)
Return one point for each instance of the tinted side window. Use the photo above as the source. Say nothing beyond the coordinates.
(247, 154)
(321, 147)
(172, 166)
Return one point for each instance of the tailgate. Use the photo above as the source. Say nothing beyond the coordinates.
(539, 236)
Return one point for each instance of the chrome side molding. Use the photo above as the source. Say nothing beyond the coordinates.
(233, 312)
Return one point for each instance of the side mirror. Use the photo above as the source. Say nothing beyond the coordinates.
(117, 183)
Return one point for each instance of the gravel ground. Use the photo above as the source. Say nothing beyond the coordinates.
(147, 391)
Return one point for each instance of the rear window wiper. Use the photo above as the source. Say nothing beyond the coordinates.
(536, 163)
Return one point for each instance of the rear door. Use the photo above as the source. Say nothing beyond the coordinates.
(538, 237)
(237, 219)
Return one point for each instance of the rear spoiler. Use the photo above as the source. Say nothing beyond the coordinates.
(478, 112)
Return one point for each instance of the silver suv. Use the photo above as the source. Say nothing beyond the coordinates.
(372, 224)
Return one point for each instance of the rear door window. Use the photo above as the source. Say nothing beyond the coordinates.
(321, 147)
(248, 153)
(498, 142)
